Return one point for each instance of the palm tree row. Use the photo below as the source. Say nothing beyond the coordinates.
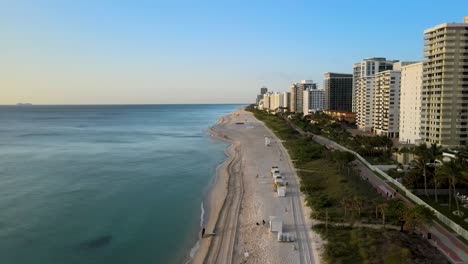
(444, 171)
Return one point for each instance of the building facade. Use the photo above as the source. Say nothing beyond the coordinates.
(444, 109)
(286, 100)
(338, 91)
(410, 103)
(386, 119)
(297, 95)
(276, 101)
(313, 101)
(363, 89)
(266, 100)
(263, 91)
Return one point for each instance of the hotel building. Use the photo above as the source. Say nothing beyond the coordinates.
(410, 103)
(444, 118)
(338, 91)
(297, 95)
(363, 89)
(313, 100)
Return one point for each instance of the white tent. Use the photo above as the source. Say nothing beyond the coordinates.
(282, 191)
(276, 225)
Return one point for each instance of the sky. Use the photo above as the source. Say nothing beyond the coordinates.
(165, 52)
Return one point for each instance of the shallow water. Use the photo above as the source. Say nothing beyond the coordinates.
(104, 184)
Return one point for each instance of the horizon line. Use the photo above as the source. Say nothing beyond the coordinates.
(28, 105)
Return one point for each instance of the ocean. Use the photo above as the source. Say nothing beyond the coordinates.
(104, 184)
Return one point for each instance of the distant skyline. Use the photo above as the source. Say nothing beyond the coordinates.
(121, 52)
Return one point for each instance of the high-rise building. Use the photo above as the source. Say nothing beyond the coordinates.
(410, 103)
(386, 119)
(363, 88)
(297, 95)
(338, 91)
(312, 101)
(276, 101)
(386, 103)
(286, 100)
(266, 100)
(263, 91)
(444, 109)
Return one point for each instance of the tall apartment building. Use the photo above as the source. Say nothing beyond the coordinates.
(444, 118)
(410, 103)
(386, 119)
(363, 89)
(263, 91)
(313, 101)
(266, 100)
(338, 91)
(286, 100)
(297, 95)
(276, 101)
(386, 103)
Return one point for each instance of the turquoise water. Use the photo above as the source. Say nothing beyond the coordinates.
(104, 184)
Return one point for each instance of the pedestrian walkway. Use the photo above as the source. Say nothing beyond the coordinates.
(445, 240)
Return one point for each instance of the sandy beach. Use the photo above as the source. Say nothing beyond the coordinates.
(242, 197)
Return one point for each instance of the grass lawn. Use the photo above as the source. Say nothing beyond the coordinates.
(379, 160)
(362, 245)
(325, 184)
(443, 199)
(326, 187)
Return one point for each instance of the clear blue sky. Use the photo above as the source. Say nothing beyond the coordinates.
(62, 52)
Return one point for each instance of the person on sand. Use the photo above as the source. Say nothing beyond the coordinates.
(203, 232)
(263, 222)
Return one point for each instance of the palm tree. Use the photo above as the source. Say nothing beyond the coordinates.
(439, 178)
(345, 204)
(423, 157)
(455, 171)
(358, 204)
(426, 155)
(416, 216)
(382, 208)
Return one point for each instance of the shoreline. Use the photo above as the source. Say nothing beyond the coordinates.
(215, 196)
(241, 198)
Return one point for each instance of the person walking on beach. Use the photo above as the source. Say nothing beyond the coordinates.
(203, 232)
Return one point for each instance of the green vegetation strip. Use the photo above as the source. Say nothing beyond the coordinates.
(337, 194)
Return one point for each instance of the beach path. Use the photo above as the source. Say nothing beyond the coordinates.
(241, 236)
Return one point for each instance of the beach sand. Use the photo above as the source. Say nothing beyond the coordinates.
(243, 196)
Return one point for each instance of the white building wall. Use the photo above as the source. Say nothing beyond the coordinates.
(266, 101)
(286, 99)
(276, 101)
(410, 103)
(386, 119)
(313, 101)
(305, 102)
(363, 88)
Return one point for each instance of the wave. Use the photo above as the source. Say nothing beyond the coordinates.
(40, 134)
(194, 249)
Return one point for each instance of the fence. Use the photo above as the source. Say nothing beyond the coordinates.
(444, 219)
